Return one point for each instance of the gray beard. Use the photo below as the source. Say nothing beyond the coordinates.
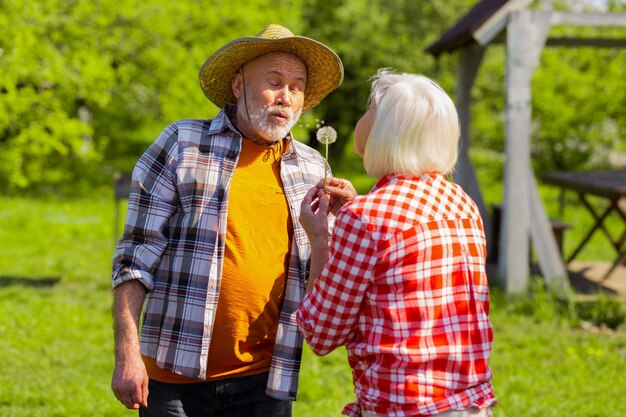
(265, 128)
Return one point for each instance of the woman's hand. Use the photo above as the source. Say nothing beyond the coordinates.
(314, 220)
(314, 215)
(339, 191)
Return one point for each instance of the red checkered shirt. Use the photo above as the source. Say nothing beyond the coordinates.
(405, 290)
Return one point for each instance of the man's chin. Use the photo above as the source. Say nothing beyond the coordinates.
(276, 138)
(275, 135)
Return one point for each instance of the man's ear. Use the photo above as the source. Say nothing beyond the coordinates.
(237, 85)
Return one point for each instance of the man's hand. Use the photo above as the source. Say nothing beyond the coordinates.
(339, 191)
(130, 379)
(130, 382)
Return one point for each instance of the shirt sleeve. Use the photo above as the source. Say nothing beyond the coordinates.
(151, 203)
(328, 316)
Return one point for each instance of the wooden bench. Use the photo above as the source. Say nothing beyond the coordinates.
(121, 189)
(558, 229)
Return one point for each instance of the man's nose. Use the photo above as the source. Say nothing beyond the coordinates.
(284, 96)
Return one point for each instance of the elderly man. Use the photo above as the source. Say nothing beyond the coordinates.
(212, 242)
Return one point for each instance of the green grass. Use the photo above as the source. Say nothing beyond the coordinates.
(55, 315)
(56, 350)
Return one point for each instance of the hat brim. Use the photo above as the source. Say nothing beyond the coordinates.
(324, 68)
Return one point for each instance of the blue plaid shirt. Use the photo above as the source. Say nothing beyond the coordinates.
(174, 237)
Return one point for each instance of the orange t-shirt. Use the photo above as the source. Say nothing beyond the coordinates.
(258, 238)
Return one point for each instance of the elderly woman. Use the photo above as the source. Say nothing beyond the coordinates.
(402, 284)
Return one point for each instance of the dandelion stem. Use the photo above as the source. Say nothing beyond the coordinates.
(326, 166)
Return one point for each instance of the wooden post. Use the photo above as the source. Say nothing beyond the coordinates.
(526, 36)
(546, 245)
(465, 176)
(523, 212)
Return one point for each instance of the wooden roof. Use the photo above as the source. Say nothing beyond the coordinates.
(461, 34)
(488, 18)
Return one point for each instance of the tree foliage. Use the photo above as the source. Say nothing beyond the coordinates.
(369, 35)
(579, 97)
(87, 85)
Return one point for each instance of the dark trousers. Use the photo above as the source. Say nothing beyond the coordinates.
(232, 397)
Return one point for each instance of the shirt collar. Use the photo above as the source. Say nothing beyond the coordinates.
(222, 122)
(389, 178)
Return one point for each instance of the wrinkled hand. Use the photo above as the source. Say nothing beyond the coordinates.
(130, 382)
(314, 215)
(339, 191)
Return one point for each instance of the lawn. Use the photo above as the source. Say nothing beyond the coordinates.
(56, 350)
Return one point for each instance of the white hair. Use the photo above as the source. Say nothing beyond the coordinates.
(416, 128)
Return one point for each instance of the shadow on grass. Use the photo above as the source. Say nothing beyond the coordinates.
(37, 282)
(584, 285)
(580, 280)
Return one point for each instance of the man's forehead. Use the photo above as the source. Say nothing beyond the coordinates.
(275, 61)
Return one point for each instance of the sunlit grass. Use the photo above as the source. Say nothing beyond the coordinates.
(56, 348)
(55, 317)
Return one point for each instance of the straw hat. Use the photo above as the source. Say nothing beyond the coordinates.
(324, 68)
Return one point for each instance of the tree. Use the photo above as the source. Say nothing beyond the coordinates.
(578, 108)
(578, 100)
(374, 34)
(87, 85)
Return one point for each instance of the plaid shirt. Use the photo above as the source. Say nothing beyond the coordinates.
(405, 290)
(174, 238)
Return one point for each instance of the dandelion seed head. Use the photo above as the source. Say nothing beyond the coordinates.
(326, 135)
